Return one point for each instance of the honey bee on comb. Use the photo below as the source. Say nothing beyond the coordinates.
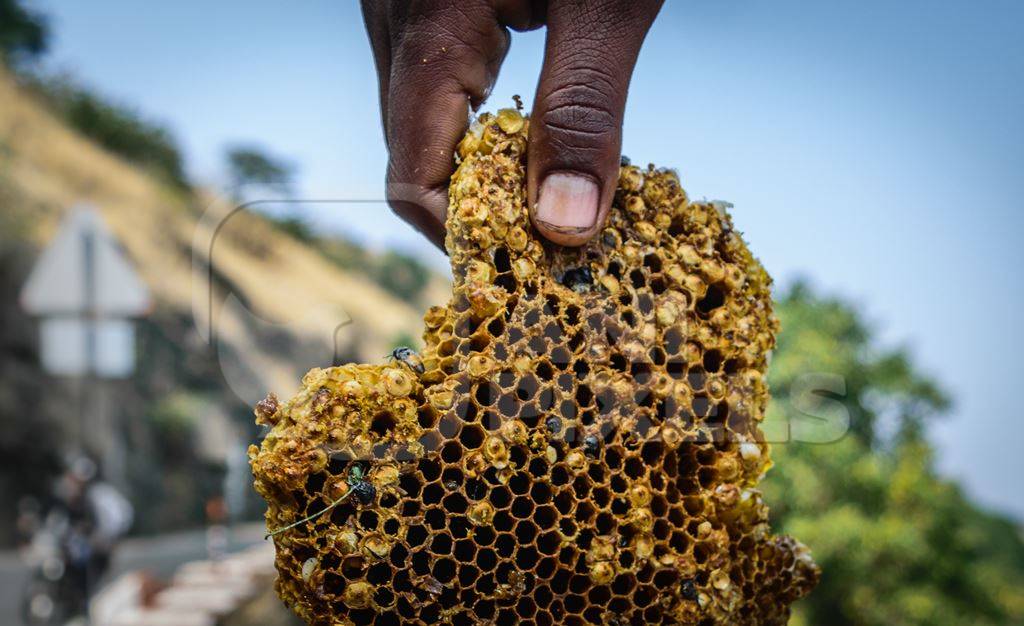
(580, 443)
(409, 357)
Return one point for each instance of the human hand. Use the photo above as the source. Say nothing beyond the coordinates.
(436, 58)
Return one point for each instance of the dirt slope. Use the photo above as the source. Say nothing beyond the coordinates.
(285, 301)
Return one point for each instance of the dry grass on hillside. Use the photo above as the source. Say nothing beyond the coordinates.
(50, 168)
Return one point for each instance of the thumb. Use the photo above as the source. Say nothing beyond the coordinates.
(576, 125)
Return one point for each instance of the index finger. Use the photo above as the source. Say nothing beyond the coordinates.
(446, 61)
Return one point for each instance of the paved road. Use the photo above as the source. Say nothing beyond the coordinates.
(159, 555)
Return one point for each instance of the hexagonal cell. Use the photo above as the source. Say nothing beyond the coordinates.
(471, 436)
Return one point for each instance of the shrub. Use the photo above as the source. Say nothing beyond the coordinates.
(116, 127)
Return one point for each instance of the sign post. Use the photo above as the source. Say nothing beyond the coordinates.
(85, 293)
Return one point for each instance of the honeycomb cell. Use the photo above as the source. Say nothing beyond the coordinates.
(577, 443)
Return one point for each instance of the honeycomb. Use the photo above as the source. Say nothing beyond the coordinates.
(577, 443)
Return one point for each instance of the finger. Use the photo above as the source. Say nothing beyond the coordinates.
(447, 59)
(375, 17)
(576, 127)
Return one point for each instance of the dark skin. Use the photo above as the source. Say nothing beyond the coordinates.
(437, 59)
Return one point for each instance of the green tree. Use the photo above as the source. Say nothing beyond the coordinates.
(253, 171)
(29, 401)
(897, 544)
(23, 34)
(249, 166)
(402, 275)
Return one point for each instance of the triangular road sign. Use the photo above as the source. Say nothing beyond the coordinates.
(84, 272)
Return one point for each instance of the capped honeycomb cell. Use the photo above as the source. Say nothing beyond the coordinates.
(577, 443)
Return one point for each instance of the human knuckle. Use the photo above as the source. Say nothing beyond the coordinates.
(587, 65)
(578, 114)
(444, 59)
(457, 34)
(409, 206)
(408, 190)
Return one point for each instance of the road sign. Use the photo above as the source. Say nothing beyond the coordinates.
(64, 346)
(85, 289)
(84, 272)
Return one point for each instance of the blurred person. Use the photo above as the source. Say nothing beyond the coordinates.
(72, 544)
(97, 510)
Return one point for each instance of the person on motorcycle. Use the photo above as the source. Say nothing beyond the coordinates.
(72, 545)
(98, 514)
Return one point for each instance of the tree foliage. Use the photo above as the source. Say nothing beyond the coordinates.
(23, 34)
(249, 166)
(897, 544)
(402, 275)
(29, 433)
(120, 129)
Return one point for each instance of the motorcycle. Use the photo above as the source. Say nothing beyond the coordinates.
(59, 555)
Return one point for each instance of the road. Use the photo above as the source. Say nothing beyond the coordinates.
(158, 554)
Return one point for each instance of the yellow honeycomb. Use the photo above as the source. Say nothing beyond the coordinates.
(578, 442)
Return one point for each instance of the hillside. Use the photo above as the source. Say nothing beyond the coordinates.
(48, 168)
(241, 308)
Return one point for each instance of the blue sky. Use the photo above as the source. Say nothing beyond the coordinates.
(874, 147)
